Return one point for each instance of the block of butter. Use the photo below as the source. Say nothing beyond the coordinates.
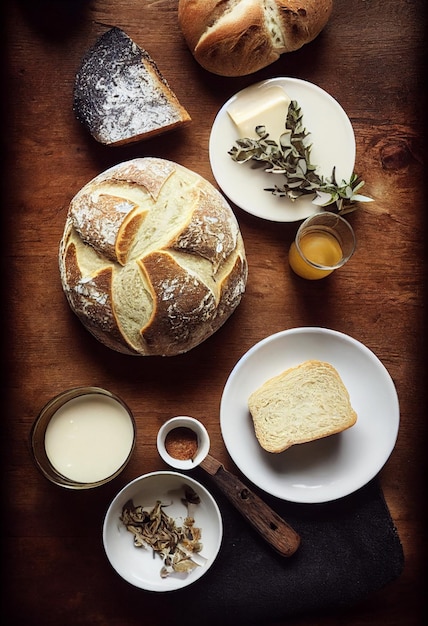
(260, 107)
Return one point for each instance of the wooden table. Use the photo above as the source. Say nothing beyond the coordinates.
(370, 58)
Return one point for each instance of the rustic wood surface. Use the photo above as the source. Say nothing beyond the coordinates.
(370, 57)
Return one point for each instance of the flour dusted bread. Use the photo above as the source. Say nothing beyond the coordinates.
(120, 94)
(152, 260)
(239, 37)
(301, 404)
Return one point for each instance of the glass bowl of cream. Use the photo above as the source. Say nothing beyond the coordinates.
(83, 438)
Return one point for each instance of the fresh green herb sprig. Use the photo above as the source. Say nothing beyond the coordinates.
(292, 159)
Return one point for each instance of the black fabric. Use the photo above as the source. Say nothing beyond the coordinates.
(349, 548)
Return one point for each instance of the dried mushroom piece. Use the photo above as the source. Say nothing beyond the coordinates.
(178, 546)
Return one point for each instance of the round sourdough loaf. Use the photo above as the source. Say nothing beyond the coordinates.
(240, 37)
(152, 259)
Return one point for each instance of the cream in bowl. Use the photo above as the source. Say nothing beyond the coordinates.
(183, 442)
(83, 437)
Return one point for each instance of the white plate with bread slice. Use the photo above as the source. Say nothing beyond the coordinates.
(328, 466)
(331, 136)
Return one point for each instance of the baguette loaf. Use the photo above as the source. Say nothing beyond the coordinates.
(301, 404)
(120, 94)
(240, 37)
(151, 260)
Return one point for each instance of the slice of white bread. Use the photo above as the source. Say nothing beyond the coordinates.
(303, 403)
(121, 96)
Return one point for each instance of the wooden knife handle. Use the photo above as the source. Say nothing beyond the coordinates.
(267, 522)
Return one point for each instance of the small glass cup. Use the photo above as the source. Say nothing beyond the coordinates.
(324, 242)
(83, 438)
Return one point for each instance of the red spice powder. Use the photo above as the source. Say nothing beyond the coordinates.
(181, 443)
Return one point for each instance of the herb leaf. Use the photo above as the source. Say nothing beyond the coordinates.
(291, 158)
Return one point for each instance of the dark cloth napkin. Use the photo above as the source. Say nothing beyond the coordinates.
(349, 548)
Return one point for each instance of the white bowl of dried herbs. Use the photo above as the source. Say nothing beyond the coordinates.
(162, 531)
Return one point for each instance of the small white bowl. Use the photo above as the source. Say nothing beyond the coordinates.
(183, 421)
(140, 566)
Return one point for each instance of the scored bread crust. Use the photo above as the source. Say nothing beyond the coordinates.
(120, 94)
(240, 37)
(152, 259)
(303, 403)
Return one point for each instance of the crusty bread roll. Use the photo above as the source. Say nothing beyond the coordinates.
(152, 259)
(243, 36)
(120, 94)
(301, 404)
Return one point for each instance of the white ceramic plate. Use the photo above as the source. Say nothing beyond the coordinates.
(329, 468)
(333, 144)
(138, 566)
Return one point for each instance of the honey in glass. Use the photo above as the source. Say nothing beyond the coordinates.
(323, 243)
